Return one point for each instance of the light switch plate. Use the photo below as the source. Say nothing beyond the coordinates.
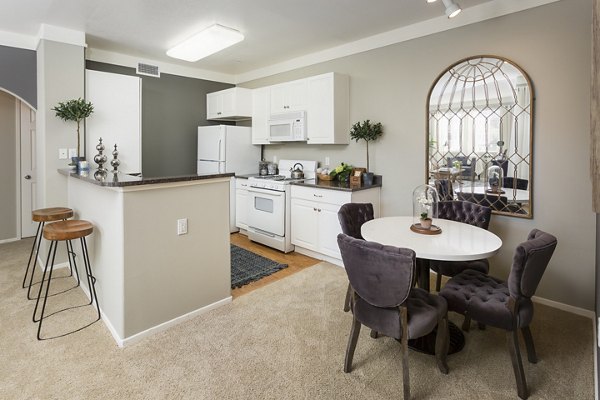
(62, 154)
(327, 161)
(182, 226)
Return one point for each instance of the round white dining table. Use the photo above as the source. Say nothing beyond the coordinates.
(457, 241)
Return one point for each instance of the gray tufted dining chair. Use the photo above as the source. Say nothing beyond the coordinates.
(383, 299)
(352, 216)
(468, 213)
(506, 305)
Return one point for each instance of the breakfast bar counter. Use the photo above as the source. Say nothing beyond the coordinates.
(160, 247)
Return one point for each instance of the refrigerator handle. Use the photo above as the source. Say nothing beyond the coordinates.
(220, 149)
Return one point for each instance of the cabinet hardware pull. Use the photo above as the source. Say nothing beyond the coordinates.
(319, 210)
(317, 195)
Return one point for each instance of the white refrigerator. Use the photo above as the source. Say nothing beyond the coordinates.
(223, 149)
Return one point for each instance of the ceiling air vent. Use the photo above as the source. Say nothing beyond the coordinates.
(147, 69)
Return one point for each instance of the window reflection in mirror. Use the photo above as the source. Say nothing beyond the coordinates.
(480, 116)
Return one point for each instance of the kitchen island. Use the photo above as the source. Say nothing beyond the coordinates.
(149, 275)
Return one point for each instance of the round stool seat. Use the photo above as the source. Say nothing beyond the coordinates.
(51, 214)
(68, 230)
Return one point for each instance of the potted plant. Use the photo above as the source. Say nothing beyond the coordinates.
(74, 110)
(341, 172)
(366, 131)
(425, 221)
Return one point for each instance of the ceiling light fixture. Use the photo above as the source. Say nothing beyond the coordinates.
(209, 41)
(452, 9)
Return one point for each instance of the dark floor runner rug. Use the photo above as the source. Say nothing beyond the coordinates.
(247, 266)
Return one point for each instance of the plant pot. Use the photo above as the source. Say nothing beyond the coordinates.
(426, 223)
(368, 178)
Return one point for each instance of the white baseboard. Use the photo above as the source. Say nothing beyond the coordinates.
(565, 307)
(9, 240)
(168, 324)
(42, 264)
(319, 256)
(155, 329)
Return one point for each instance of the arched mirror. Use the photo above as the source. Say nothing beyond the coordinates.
(479, 127)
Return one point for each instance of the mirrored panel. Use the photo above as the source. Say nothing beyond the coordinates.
(480, 117)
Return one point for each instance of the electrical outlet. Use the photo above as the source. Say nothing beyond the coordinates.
(327, 161)
(72, 153)
(275, 159)
(182, 226)
(62, 154)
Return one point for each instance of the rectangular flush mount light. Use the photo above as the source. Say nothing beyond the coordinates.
(211, 40)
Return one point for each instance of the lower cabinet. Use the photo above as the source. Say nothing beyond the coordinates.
(314, 220)
(241, 203)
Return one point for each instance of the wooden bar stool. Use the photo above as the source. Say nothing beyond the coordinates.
(66, 231)
(42, 216)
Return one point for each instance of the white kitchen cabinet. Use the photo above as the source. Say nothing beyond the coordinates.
(328, 109)
(234, 104)
(289, 96)
(314, 220)
(260, 115)
(241, 203)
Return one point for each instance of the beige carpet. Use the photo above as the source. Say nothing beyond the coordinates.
(284, 341)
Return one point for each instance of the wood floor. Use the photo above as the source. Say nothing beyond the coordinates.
(296, 262)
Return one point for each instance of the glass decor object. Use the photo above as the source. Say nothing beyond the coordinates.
(495, 178)
(425, 210)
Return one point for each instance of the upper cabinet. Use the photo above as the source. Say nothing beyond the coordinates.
(260, 115)
(328, 110)
(325, 98)
(234, 104)
(289, 96)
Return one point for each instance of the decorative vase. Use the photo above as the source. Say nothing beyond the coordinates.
(426, 223)
(368, 178)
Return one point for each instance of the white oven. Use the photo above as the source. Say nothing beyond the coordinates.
(266, 210)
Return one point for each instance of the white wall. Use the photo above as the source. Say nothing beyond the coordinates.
(552, 44)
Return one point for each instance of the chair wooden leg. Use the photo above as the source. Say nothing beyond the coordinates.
(512, 339)
(438, 282)
(374, 334)
(531, 356)
(441, 344)
(354, 331)
(347, 301)
(404, 349)
(466, 323)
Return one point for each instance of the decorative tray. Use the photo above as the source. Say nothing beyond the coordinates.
(434, 230)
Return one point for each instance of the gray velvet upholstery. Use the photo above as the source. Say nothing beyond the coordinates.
(506, 305)
(352, 216)
(383, 299)
(517, 183)
(468, 213)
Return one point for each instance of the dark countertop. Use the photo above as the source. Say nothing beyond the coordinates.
(121, 180)
(337, 185)
(245, 176)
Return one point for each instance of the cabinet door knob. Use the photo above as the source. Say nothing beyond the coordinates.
(319, 210)
(318, 195)
(314, 209)
(27, 177)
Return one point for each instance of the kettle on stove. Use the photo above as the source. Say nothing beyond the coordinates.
(297, 173)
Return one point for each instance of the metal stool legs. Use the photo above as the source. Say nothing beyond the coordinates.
(32, 262)
(48, 269)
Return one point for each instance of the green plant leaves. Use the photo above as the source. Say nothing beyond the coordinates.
(366, 131)
(74, 110)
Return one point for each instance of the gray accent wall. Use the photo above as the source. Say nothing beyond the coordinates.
(18, 73)
(8, 166)
(172, 109)
(390, 85)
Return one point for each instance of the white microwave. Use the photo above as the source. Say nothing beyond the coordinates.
(287, 127)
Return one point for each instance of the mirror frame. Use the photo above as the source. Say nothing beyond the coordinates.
(532, 99)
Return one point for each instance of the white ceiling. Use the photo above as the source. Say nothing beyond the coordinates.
(275, 30)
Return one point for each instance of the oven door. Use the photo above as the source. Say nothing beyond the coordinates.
(266, 210)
